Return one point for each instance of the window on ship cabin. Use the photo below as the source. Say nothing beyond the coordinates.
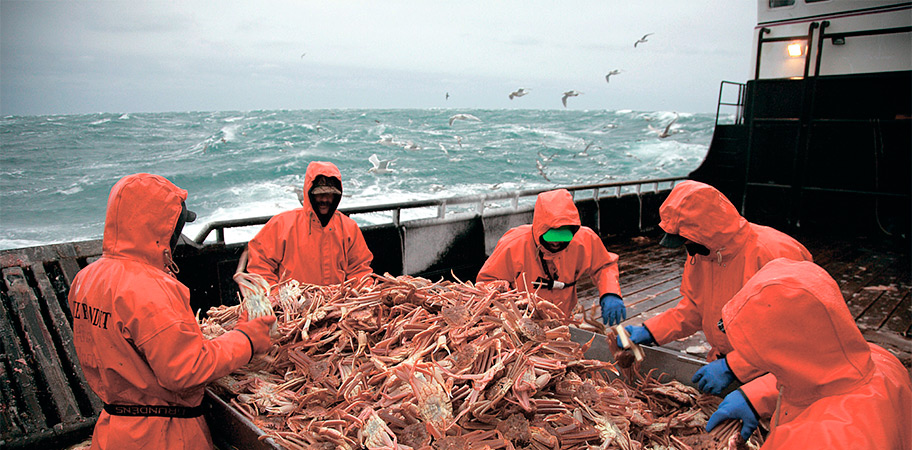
(781, 3)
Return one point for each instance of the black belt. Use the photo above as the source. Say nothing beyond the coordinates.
(182, 412)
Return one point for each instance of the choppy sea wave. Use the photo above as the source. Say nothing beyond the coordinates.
(57, 171)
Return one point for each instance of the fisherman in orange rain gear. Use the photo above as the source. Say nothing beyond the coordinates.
(313, 244)
(552, 254)
(724, 251)
(136, 337)
(836, 391)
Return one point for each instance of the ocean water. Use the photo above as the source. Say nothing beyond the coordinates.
(56, 171)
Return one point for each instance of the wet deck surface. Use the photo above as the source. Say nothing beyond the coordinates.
(875, 278)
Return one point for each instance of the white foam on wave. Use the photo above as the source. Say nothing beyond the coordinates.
(6, 244)
(247, 200)
(75, 189)
(80, 184)
(229, 133)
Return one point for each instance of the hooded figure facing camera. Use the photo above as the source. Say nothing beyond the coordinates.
(552, 254)
(313, 244)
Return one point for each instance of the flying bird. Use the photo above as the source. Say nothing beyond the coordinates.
(447, 96)
(642, 39)
(463, 117)
(608, 76)
(667, 131)
(379, 166)
(388, 141)
(569, 94)
(544, 158)
(302, 54)
(585, 151)
(518, 93)
(541, 170)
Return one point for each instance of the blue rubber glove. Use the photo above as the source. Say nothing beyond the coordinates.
(714, 377)
(613, 310)
(735, 406)
(639, 335)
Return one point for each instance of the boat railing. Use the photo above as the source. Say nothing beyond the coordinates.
(477, 204)
(725, 95)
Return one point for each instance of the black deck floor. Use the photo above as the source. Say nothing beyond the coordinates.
(875, 278)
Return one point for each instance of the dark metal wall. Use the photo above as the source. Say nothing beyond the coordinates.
(827, 154)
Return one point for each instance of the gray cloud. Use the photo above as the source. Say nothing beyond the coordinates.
(82, 56)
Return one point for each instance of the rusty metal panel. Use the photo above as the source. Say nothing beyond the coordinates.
(46, 401)
(22, 409)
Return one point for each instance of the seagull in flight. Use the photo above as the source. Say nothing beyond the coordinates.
(585, 151)
(519, 93)
(608, 76)
(667, 131)
(544, 158)
(388, 141)
(463, 117)
(541, 170)
(642, 39)
(569, 94)
(302, 55)
(379, 166)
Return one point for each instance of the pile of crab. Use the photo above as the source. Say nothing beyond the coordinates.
(406, 363)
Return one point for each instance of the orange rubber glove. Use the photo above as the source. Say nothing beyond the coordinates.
(257, 332)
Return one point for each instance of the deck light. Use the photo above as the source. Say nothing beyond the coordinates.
(795, 49)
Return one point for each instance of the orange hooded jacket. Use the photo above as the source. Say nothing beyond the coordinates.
(738, 249)
(518, 256)
(137, 339)
(836, 390)
(295, 244)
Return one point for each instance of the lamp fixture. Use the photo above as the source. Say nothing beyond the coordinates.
(795, 49)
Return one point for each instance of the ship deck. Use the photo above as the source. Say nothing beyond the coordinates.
(875, 279)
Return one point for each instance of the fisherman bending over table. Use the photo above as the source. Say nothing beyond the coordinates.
(836, 391)
(555, 252)
(136, 337)
(724, 250)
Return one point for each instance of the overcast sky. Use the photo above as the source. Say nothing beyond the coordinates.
(151, 56)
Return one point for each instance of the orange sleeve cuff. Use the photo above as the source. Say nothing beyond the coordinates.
(743, 370)
(762, 394)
